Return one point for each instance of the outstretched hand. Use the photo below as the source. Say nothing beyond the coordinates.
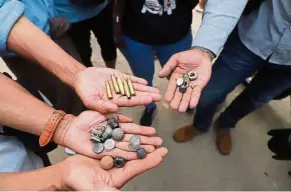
(90, 86)
(179, 64)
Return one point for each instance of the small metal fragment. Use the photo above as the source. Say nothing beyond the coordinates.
(180, 82)
(98, 148)
(101, 128)
(95, 139)
(96, 132)
(108, 90)
(141, 153)
(120, 85)
(183, 89)
(192, 75)
(119, 162)
(109, 144)
(131, 87)
(118, 134)
(126, 89)
(109, 131)
(116, 88)
(134, 143)
(106, 136)
(113, 123)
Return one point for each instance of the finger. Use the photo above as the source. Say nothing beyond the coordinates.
(172, 86)
(124, 146)
(101, 106)
(137, 80)
(185, 102)
(124, 119)
(196, 93)
(144, 88)
(155, 141)
(133, 168)
(169, 66)
(131, 128)
(175, 103)
(141, 98)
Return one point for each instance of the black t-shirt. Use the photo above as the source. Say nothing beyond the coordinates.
(158, 22)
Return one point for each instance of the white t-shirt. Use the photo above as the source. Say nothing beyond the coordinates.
(14, 157)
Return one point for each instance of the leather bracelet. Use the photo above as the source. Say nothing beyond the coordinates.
(50, 127)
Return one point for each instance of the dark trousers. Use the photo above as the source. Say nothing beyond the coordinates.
(236, 63)
(102, 27)
(33, 75)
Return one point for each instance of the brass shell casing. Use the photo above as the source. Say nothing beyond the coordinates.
(108, 90)
(131, 88)
(120, 85)
(126, 89)
(116, 88)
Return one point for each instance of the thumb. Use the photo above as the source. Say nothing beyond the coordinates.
(169, 66)
(136, 167)
(101, 106)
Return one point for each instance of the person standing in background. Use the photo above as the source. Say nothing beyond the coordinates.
(144, 28)
(87, 15)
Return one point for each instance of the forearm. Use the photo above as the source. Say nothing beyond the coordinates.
(48, 179)
(30, 42)
(219, 19)
(22, 111)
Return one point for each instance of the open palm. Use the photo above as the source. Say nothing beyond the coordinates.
(77, 137)
(90, 86)
(182, 63)
(82, 173)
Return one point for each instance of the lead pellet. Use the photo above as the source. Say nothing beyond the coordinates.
(116, 88)
(131, 88)
(126, 89)
(108, 90)
(120, 85)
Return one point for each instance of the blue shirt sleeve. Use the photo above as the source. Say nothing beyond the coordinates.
(219, 19)
(10, 12)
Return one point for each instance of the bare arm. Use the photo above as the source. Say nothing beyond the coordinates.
(20, 110)
(48, 179)
(27, 40)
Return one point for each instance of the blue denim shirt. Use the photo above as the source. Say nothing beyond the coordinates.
(37, 11)
(266, 32)
(76, 13)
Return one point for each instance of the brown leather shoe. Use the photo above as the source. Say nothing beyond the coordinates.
(223, 141)
(186, 133)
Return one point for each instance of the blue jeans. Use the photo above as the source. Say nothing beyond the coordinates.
(233, 66)
(141, 56)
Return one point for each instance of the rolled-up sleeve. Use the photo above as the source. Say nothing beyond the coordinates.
(219, 19)
(10, 12)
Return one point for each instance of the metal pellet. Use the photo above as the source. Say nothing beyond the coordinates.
(120, 85)
(131, 88)
(116, 88)
(108, 90)
(126, 88)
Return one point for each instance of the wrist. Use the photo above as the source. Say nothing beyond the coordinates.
(75, 71)
(62, 130)
(206, 52)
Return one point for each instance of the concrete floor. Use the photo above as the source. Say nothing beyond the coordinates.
(197, 165)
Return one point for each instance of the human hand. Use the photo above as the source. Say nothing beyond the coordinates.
(179, 64)
(85, 174)
(202, 3)
(74, 133)
(90, 86)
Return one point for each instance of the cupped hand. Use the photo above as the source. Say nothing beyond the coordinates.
(85, 174)
(182, 63)
(76, 135)
(90, 86)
